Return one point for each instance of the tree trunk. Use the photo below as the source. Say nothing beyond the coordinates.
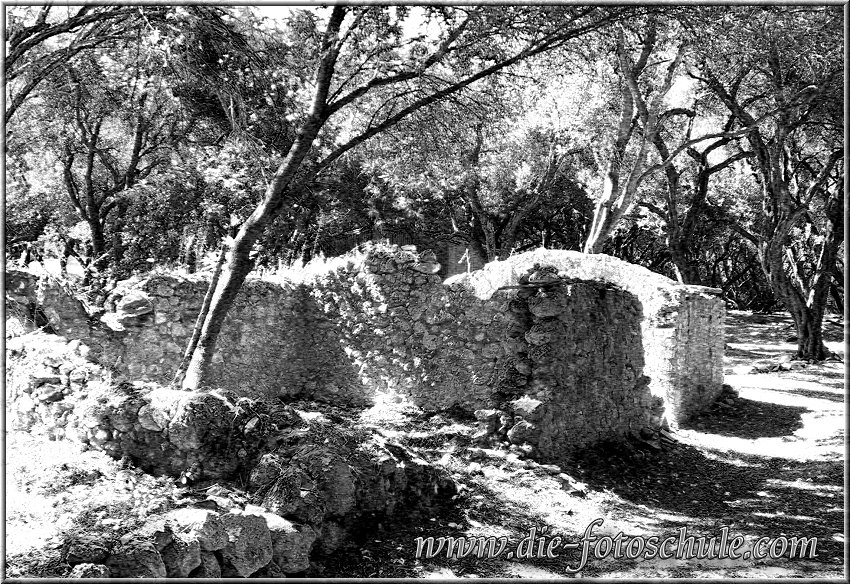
(808, 319)
(620, 189)
(601, 227)
(682, 258)
(180, 374)
(98, 244)
(837, 297)
(240, 263)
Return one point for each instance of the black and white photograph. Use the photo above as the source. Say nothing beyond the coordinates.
(370, 290)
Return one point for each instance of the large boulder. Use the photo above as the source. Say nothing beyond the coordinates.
(529, 409)
(524, 432)
(334, 479)
(203, 525)
(181, 556)
(268, 469)
(136, 558)
(209, 567)
(86, 549)
(157, 530)
(249, 545)
(291, 543)
(133, 305)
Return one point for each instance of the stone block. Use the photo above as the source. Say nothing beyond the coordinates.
(523, 432)
(181, 556)
(152, 418)
(136, 558)
(249, 545)
(209, 567)
(204, 525)
(86, 549)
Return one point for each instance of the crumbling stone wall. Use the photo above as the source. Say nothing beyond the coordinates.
(275, 341)
(589, 344)
(572, 349)
(681, 326)
(318, 481)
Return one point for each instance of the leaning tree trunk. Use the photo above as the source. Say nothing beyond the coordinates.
(240, 262)
(180, 374)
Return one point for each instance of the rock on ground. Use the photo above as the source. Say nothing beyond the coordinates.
(202, 524)
(136, 559)
(181, 556)
(249, 546)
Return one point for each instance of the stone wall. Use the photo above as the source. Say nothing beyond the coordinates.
(275, 341)
(569, 353)
(681, 325)
(582, 343)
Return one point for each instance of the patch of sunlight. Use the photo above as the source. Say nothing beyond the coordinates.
(798, 380)
(728, 460)
(389, 408)
(562, 512)
(31, 516)
(783, 447)
(836, 347)
(757, 348)
(161, 397)
(757, 387)
(675, 518)
(452, 429)
(803, 485)
(818, 426)
(390, 433)
(312, 416)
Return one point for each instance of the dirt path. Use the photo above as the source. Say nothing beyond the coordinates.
(769, 464)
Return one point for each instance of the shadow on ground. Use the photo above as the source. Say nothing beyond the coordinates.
(750, 419)
(754, 495)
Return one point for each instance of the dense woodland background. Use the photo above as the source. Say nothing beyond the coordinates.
(704, 143)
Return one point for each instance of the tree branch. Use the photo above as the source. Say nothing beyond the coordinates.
(405, 76)
(822, 175)
(548, 43)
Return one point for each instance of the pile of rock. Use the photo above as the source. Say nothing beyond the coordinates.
(319, 479)
(198, 543)
(518, 427)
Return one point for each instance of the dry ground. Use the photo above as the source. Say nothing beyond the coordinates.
(771, 464)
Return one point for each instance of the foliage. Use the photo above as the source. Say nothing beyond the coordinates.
(171, 130)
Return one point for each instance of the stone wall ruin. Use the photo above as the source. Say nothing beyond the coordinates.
(569, 348)
(318, 480)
